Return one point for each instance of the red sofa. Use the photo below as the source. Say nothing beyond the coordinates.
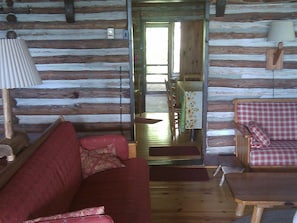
(51, 183)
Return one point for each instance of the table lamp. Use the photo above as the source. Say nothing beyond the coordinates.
(279, 32)
(17, 70)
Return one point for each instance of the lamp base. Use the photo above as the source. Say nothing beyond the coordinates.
(271, 64)
(13, 146)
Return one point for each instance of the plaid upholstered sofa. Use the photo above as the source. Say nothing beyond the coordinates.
(266, 132)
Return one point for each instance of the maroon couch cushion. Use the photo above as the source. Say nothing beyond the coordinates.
(124, 192)
(47, 182)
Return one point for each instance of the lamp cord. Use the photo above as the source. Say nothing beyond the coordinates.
(273, 83)
(121, 107)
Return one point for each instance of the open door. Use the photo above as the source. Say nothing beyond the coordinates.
(191, 48)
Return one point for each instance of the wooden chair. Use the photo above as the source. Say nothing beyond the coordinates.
(174, 110)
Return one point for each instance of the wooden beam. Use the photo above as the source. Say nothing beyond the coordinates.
(69, 10)
(220, 8)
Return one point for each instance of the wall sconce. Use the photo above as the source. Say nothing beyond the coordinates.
(279, 31)
(17, 70)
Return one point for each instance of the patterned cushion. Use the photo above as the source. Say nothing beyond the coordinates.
(75, 214)
(279, 153)
(85, 152)
(94, 161)
(255, 144)
(259, 136)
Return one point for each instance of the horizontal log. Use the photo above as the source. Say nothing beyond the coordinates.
(53, 8)
(253, 83)
(96, 16)
(59, 34)
(237, 63)
(228, 94)
(112, 84)
(255, 6)
(220, 125)
(96, 66)
(220, 106)
(220, 116)
(81, 128)
(242, 42)
(98, 24)
(217, 141)
(78, 75)
(73, 109)
(78, 44)
(81, 59)
(247, 50)
(84, 118)
(250, 73)
(70, 102)
(37, 52)
(254, 64)
(254, 17)
(72, 93)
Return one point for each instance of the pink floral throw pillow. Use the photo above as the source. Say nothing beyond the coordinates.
(75, 214)
(94, 161)
(259, 136)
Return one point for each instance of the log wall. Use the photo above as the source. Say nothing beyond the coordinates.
(86, 77)
(237, 65)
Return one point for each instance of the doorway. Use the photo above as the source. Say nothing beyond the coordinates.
(162, 47)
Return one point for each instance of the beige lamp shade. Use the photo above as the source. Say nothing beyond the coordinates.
(17, 69)
(281, 31)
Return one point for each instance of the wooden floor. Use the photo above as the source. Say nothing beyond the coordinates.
(183, 202)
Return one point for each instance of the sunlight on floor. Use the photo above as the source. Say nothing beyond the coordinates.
(156, 103)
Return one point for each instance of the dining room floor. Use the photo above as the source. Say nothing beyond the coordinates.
(158, 134)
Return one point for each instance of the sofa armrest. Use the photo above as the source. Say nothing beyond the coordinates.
(242, 130)
(119, 141)
(242, 144)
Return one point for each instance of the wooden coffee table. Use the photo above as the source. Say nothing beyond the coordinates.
(262, 190)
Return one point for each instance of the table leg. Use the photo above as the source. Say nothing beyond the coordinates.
(239, 209)
(217, 170)
(192, 135)
(257, 214)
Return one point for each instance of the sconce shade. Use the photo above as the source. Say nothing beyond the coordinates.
(281, 31)
(17, 69)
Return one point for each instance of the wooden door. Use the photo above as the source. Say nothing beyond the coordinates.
(191, 57)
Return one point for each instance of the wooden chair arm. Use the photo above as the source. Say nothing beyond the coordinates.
(242, 144)
(242, 130)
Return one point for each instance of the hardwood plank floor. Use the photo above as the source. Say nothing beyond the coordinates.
(183, 202)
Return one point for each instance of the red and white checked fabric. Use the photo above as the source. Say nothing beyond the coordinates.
(279, 153)
(278, 119)
(259, 136)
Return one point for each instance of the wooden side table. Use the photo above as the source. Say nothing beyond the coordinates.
(228, 164)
